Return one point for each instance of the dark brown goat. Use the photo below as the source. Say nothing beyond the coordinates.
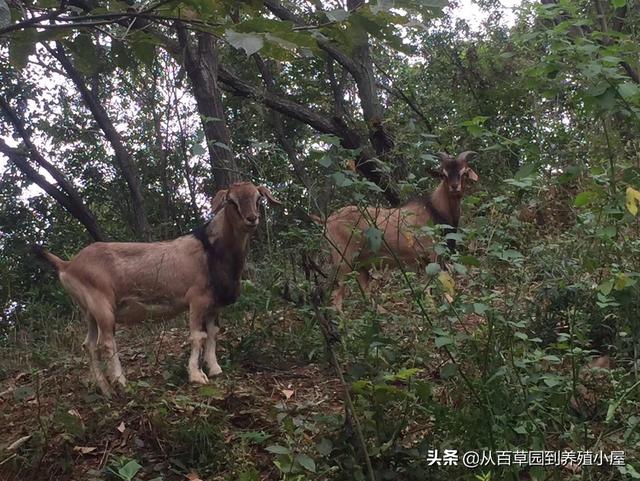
(399, 226)
(126, 282)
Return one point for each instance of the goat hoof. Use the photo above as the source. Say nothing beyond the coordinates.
(215, 370)
(198, 377)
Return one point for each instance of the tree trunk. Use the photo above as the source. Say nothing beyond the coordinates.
(201, 64)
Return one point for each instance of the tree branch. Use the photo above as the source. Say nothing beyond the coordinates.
(123, 157)
(78, 211)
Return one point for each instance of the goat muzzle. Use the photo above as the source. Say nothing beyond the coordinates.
(251, 222)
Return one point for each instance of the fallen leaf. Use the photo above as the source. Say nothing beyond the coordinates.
(633, 200)
(74, 412)
(287, 393)
(19, 442)
(193, 476)
(448, 285)
(121, 427)
(84, 449)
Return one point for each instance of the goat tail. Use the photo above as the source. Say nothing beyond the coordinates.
(41, 253)
(317, 219)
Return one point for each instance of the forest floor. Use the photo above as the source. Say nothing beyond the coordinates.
(276, 412)
(55, 426)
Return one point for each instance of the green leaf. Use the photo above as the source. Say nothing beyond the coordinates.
(628, 90)
(85, 54)
(121, 54)
(145, 52)
(284, 463)
(443, 341)
(618, 3)
(480, 308)
(448, 370)
(432, 268)
(608, 232)
(586, 197)
(278, 449)
(525, 171)
(469, 261)
(341, 180)
(21, 45)
(249, 42)
(325, 161)
(324, 446)
(403, 374)
(373, 236)
(129, 470)
(606, 287)
(337, 15)
(591, 69)
(551, 381)
(460, 269)
(306, 462)
(423, 390)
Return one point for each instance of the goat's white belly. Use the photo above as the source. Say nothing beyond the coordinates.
(132, 310)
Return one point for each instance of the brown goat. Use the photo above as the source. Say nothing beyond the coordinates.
(344, 228)
(126, 282)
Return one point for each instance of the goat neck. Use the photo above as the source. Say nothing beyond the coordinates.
(226, 250)
(445, 205)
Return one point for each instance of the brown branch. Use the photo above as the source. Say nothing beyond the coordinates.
(30, 22)
(81, 211)
(411, 103)
(279, 103)
(78, 211)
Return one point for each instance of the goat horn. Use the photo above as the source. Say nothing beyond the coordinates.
(468, 156)
(443, 156)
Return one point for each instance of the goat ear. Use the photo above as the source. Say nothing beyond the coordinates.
(472, 175)
(468, 156)
(219, 200)
(267, 193)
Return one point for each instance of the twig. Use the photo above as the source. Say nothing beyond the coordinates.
(330, 339)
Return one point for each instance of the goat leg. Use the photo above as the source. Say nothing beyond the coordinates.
(210, 346)
(90, 345)
(197, 338)
(107, 343)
